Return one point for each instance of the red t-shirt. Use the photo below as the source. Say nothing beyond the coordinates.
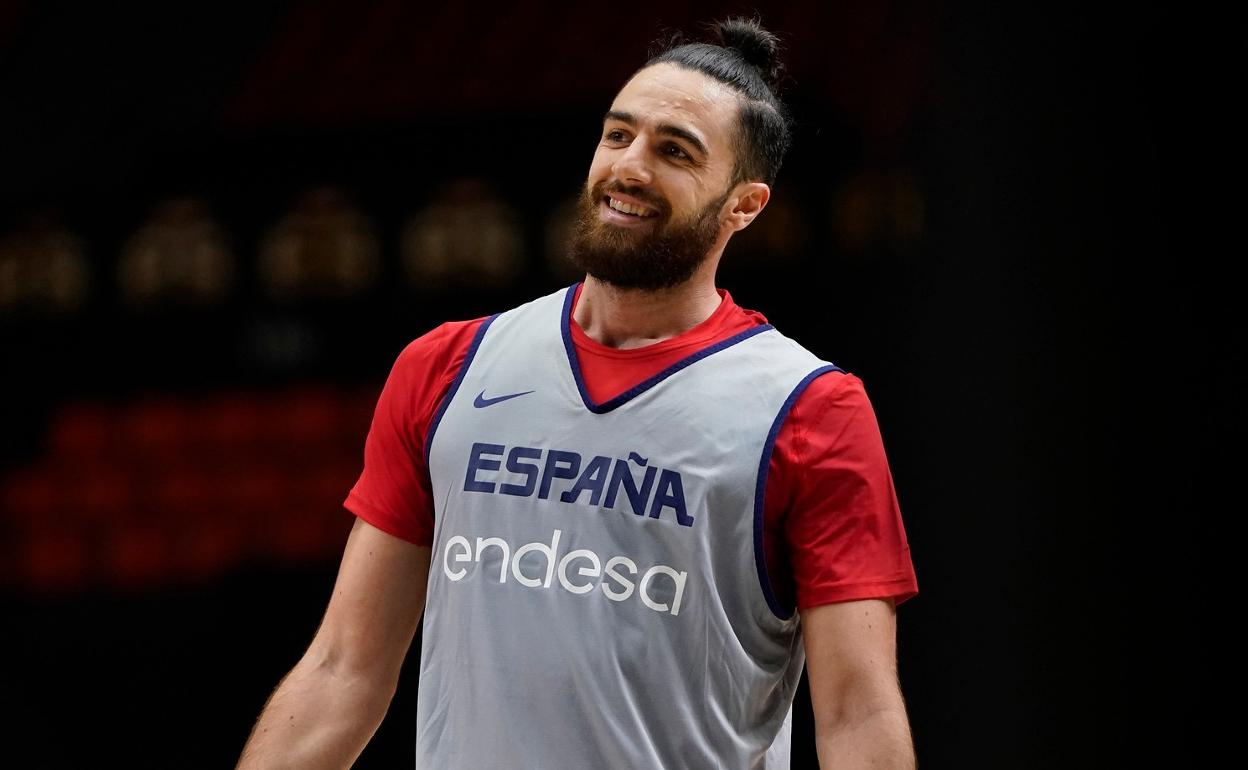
(832, 529)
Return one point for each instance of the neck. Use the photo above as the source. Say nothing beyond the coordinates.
(633, 318)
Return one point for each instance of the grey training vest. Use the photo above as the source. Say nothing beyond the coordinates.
(597, 595)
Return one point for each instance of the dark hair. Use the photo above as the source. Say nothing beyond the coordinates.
(746, 57)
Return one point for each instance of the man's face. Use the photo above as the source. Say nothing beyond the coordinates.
(653, 204)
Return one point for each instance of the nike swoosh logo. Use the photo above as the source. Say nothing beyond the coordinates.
(481, 400)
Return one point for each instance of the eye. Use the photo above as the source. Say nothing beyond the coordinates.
(615, 135)
(676, 151)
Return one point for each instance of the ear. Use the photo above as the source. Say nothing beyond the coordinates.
(745, 203)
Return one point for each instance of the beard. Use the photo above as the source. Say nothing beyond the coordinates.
(658, 257)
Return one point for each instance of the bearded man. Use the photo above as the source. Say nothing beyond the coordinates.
(630, 511)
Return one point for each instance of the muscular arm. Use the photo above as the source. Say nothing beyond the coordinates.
(851, 662)
(328, 707)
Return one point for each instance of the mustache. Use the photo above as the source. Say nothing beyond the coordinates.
(641, 194)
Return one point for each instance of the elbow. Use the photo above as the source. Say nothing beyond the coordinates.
(369, 685)
(877, 737)
(883, 716)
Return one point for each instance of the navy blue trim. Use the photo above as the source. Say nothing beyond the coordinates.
(764, 465)
(565, 325)
(459, 378)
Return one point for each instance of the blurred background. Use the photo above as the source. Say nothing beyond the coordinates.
(219, 225)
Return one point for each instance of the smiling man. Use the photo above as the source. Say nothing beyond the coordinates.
(630, 511)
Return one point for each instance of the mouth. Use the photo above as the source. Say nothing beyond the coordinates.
(628, 212)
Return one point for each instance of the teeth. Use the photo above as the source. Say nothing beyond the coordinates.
(627, 208)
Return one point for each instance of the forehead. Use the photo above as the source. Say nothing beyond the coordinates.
(667, 93)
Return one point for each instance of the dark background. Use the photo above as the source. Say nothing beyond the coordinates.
(973, 206)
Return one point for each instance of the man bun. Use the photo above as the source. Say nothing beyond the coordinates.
(756, 45)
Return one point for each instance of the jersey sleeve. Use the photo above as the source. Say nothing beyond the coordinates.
(840, 523)
(393, 493)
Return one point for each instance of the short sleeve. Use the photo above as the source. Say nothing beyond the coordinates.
(842, 529)
(393, 493)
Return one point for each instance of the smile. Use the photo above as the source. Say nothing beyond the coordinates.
(631, 209)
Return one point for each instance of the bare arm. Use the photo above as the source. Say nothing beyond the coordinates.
(851, 662)
(328, 707)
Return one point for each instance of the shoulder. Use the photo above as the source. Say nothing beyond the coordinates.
(834, 389)
(442, 347)
(428, 365)
(833, 417)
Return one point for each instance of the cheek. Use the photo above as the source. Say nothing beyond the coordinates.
(600, 166)
(690, 203)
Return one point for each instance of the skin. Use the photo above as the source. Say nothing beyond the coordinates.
(328, 707)
(851, 665)
(687, 179)
(860, 716)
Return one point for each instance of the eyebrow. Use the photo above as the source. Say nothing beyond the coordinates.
(666, 129)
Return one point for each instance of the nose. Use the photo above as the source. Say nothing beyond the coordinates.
(632, 165)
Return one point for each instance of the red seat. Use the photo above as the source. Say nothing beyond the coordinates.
(81, 430)
(30, 493)
(155, 428)
(358, 405)
(228, 423)
(297, 535)
(137, 557)
(182, 495)
(53, 561)
(209, 547)
(102, 495)
(252, 498)
(308, 416)
(169, 488)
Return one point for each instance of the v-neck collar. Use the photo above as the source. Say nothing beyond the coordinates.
(565, 324)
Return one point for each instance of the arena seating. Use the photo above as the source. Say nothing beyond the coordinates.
(176, 490)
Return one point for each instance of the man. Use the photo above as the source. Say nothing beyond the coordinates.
(630, 511)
